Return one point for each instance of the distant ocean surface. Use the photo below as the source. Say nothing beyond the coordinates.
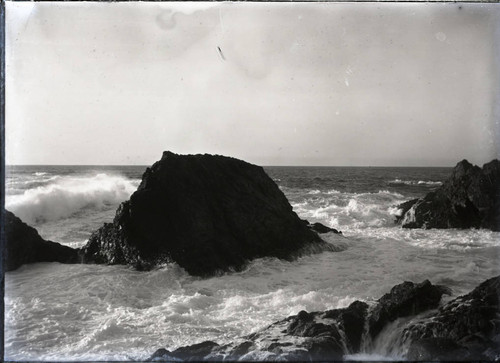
(95, 312)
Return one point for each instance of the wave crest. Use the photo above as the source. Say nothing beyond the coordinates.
(67, 195)
(415, 182)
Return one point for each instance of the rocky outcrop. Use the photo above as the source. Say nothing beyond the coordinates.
(466, 328)
(406, 299)
(321, 228)
(470, 198)
(318, 336)
(207, 213)
(403, 208)
(23, 245)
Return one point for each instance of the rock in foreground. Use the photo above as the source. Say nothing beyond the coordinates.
(24, 245)
(466, 328)
(207, 213)
(318, 336)
(470, 198)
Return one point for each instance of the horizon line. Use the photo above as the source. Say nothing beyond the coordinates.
(290, 166)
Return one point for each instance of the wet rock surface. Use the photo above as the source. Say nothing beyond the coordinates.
(24, 245)
(469, 325)
(406, 299)
(321, 228)
(332, 334)
(208, 213)
(470, 198)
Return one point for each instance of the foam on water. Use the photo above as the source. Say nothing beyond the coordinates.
(92, 312)
(112, 312)
(58, 197)
(348, 211)
(416, 182)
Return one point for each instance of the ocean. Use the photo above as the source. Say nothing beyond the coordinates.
(95, 312)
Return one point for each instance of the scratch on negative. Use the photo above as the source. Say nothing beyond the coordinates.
(29, 17)
(221, 54)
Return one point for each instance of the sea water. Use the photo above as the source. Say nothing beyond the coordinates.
(96, 312)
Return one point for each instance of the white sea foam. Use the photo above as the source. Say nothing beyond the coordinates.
(368, 357)
(416, 182)
(66, 195)
(116, 313)
(350, 210)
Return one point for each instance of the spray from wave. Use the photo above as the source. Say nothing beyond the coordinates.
(66, 195)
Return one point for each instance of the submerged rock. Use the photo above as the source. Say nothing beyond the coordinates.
(207, 213)
(24, 245)
(470, 198)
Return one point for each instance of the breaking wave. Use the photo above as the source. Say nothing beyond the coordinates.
(347, 211)
(66, 195)
(415, 182)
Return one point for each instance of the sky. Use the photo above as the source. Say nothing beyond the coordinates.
(339, 84)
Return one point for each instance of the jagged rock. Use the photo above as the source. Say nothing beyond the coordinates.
(406, 299)
(437, 349)
(470, 324)
(317, 336)
(321, 228)
(196, 352)
(470, 198)
(242, 349)
(329, 335)
(466, 328)
(352, 321)
(207, 213)
(24, 245)
(403, 208)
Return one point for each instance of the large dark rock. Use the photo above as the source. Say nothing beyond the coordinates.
(207, 213)
(469, 326)
(470, 198)
(24, 245)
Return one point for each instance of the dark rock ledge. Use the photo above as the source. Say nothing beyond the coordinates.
(209, 214)
(24, 245)
(318, 336)
(470, 198)
(464, 329)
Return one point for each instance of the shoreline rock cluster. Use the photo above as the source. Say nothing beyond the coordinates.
(212, 214)
(470, 198)
(466, 328)
(208, 213)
